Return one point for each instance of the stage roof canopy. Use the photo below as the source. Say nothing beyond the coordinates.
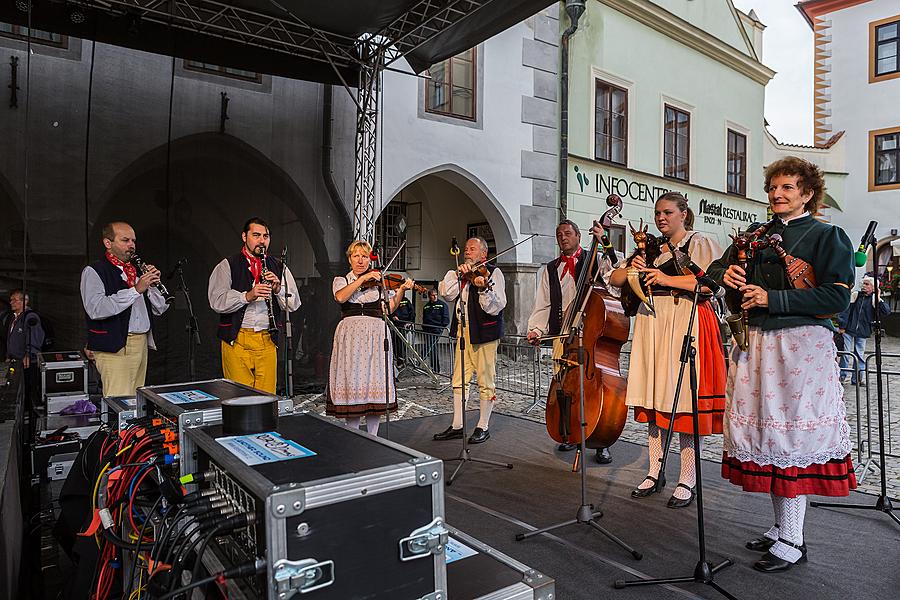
(302, 39)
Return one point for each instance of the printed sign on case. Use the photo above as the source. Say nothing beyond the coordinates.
(262, 448)
(456, 550)
(188, 396)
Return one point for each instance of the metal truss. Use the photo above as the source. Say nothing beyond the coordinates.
(421, 23)
(286, 35)
(365, 194)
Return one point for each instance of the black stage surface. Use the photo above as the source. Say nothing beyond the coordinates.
(851, 554)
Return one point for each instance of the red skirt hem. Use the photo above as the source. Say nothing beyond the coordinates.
(834, 478)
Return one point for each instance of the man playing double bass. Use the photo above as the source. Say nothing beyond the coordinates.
(556, 289)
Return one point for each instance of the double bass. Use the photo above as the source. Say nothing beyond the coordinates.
(604, 328)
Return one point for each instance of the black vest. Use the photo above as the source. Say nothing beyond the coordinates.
(110, 334)
(242, 281)
(554, 323)
(483, 327)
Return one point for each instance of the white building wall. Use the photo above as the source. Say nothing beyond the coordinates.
(859, 107)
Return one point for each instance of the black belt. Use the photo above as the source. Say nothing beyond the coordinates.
(362, 311)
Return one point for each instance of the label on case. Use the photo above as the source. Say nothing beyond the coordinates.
(188, 396)
(456, 550)
(262, 448)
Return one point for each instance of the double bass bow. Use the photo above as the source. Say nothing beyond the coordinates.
(603, 328)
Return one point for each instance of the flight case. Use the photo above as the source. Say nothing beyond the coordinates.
(340, 514)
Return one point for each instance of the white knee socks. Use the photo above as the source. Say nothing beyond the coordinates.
(790, 521)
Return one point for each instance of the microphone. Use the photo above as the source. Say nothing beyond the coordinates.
(454, 246)
(705, 280)
(181, 262)
(860, 257)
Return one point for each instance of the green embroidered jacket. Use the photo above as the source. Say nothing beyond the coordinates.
(826, 247)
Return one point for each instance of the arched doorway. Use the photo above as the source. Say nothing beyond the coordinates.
(446, 202)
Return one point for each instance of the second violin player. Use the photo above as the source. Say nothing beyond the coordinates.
(483, 300)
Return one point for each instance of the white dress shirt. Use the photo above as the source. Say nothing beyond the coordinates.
(540, 316)
(98, 305)
(224, 300)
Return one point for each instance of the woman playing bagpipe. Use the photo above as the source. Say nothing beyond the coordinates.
(786, 430)
(656, 347)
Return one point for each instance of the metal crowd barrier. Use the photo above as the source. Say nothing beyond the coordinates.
(521, 368)
(871, 422)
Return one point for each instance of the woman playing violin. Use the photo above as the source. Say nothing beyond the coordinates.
(654, 362)
(356, 384)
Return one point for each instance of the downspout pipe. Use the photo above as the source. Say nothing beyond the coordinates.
(574, 9)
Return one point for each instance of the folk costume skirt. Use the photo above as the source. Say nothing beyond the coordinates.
(786, 429)
(357, 381)
(655, 361)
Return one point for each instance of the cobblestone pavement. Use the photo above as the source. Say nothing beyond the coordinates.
(419, 397)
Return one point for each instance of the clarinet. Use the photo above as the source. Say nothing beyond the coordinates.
(141, 266)
(273, 326)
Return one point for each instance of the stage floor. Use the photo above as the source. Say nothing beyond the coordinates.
(852, 554)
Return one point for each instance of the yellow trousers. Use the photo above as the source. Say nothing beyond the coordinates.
(124, 371)
(479, 360)
(252, 360)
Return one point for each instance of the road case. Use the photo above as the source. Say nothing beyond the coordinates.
(194, 404)
(63, 373)
(340, 514)
(83, 425)
(475, 571)
(117, 411)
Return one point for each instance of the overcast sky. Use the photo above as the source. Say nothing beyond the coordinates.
(788, 50)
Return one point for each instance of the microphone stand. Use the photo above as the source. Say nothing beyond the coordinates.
(388, 375)
(586, 513)
(464, 454)
(193, 327)
(288, 336)
(883, 502)
(704, 571)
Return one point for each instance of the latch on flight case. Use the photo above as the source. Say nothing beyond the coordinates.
(424, 541)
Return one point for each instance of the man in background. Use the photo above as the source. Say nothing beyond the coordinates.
(855, 326)
(435, 318)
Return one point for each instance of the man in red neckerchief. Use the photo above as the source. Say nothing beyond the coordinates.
(555, 291)
(238, 291)
(119, 304)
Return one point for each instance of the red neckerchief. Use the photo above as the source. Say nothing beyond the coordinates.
(255, 264)
(570, 264)
(131, 275)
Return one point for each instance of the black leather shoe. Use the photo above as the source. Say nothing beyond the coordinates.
(760, 544)
(769, 563)
(675, 502)
(479, 436)
(566, 447)
(449, 434)
(603, 456)
(657, 486)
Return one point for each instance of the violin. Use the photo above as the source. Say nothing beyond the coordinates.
(391, 281)
(478, 270)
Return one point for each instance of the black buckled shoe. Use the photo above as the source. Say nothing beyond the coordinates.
(603, 456)
(760, 544)
(676, 502)
(657, 486)
(566, 447)
(479, 436)
(449, 434)
(769, 563)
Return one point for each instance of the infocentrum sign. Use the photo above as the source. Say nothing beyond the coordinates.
(715, 213)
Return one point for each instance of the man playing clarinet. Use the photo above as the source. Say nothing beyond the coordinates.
(241, 288)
